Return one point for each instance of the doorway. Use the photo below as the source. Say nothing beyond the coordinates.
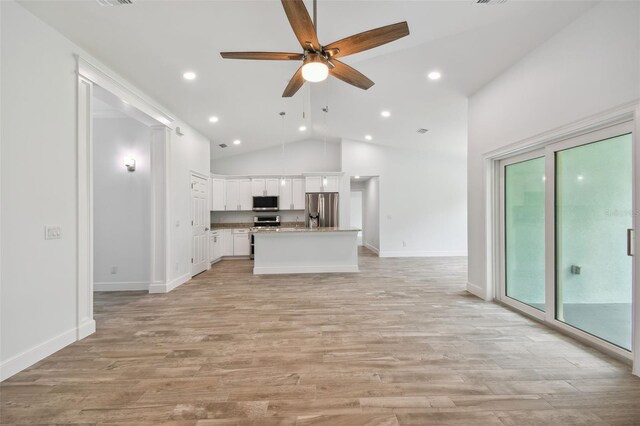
(566, 236)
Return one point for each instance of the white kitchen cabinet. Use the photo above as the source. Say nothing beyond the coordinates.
(313, 184)
(241, 242)
(232, 191)
(215, 246)
(284, 201)
(329, 183)
(227, 242)
(292, 194)
(297, 194)
(264, 187)
(245, 198)
(217, 194)
(238, 193)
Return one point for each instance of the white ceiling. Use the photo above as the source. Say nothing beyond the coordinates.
(152, 43)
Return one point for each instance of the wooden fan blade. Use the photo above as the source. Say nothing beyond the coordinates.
(301, 23)
(294, 85)
(349, 75)
(268, 56)
(369, 39)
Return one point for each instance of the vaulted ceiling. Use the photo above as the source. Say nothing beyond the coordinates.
(152, 43)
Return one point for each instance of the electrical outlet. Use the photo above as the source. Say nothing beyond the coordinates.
(52, 232)
(404, 244)
(114, 270)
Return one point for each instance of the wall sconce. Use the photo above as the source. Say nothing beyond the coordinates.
(130, 163)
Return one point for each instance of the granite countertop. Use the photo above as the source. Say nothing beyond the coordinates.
(303, 229)
(246, 225)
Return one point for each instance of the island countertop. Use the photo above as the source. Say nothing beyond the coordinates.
(278, 230)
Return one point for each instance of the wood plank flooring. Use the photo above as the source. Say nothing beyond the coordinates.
(400, 343)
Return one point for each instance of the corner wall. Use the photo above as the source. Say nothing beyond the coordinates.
(38, 129)
(121, 205)
(590, 66)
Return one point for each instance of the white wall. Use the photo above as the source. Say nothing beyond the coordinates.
(589, 67)
(356, 211)
(121, 201)
(371, 214)
(189, 152)
(422, 197)
(39, 187)
(38, 132)
(299, 157)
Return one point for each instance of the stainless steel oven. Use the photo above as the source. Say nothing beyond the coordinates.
(263, 222)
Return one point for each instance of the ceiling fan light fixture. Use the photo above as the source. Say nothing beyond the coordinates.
(315, 69)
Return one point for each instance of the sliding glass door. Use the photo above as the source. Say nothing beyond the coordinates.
(524, 195)
(593, 205)
(566, 216)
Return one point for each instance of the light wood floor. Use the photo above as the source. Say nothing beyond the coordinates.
(399, 343)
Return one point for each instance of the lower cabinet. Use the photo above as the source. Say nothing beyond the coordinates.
(215, 246)
(227, 242)
(241, 242)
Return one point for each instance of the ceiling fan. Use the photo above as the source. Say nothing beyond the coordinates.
(319, 61)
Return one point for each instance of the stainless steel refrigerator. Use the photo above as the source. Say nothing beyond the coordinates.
(321, 209)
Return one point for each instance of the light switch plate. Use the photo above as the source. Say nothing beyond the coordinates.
(52, 232)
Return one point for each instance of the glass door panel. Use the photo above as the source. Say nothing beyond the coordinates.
(593, 195)
(524, 205)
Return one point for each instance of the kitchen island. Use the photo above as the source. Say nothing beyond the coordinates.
(305, 250)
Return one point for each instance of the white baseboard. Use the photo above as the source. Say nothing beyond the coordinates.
(476, 290)
(86, 328)
(372, 248)
(29, 357)
(268, 270)
(167, 287)
(121, 286)
(455, 253)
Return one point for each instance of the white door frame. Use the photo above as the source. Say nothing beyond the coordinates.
(628, 113)
(89, 73)
(207, 193)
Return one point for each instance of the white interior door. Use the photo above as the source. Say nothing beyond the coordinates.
(199, 225)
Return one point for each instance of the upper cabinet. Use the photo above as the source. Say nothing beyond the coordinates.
(329, 183)
(217, 194)
(238, 195)
(297, 194)
(264, 187)
(292, 194)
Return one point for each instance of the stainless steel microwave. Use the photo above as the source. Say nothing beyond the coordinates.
(265, 204)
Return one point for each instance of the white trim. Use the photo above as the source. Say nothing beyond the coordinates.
(370, 247)
(121, 286)
(84, 170)
(476, 290)
(268, 270)
(636, 261)
(86, 328)
(420, 253)
(29, 357)
(167, 287)
(98, 74)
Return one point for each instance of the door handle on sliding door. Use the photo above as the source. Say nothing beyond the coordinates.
(630, 235)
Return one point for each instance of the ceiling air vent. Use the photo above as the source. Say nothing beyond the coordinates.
(223, 145)
(114, 2)
(490, 1)
(422, 131)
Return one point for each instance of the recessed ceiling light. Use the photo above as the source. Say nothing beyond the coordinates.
(435, 75)
(237, 142)
(368, 137)
(189, 75)
(213, 119)
(302, 128)
(385, 114)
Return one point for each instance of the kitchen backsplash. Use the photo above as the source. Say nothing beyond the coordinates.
(247, 217)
